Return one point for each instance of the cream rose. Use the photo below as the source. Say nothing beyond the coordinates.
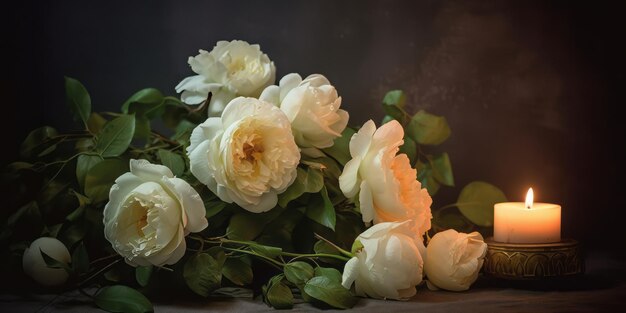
(35, 266)
(384, 183)
(247, 156)
(389, 264)
(454, 259)
(231, 69)
(149, 213)
(312, 106)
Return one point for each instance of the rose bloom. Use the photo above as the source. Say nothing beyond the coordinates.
(35, 266)
(149, 213)
(231, 69)
(454, 259)
(247, 156)
(312, 106)
(384, 183)
(389, 265)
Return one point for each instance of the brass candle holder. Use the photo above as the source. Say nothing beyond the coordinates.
(524, 261)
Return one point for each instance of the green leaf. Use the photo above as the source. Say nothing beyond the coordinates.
(426, 177)
(332, 273)
(268, 251)
(340, 150)
(428, 129)
(39, 142)
(173, 161)
(95, 123)
(322, 246)
(183, 131)
(85, 163)
(54, 263)
(321, 210)
(80, 259)
(449, 218)
(298, 272)
(396, 97)
(145, 102)
(387, 119)
(393, 103)
(124, 299)
(82, 203)
(330, 292)
(247, 226)
(476, 202)
(101, 177)
(142, 128)
(238, 270)
(277, 293)
(116, 136)
(142, 275)
(214, 207)
(77, 99)
(202, 274)
(409, 148)
(442, 169)
(310, 180)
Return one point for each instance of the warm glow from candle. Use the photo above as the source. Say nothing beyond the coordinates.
(529, 198)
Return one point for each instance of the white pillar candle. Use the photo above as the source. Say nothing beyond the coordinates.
(519, 222)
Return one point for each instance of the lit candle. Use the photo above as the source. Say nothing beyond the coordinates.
(519, 222)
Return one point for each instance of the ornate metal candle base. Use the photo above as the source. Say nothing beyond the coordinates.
(533, 261)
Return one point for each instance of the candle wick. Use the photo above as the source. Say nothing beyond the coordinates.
(528, 207)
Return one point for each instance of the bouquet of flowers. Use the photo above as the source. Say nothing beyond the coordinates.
(257, 187)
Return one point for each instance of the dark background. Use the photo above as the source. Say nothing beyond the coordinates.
(531, 89)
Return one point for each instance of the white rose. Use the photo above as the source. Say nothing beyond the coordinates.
(312, 106)
(389, 265)
(454, 259)
(149, 213)
(247, 156)
(35, 266)
(231, 69)
(384, 183)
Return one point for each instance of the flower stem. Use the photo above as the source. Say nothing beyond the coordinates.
(270, 261)
(316, 255)
(342, 251)
(102, 270)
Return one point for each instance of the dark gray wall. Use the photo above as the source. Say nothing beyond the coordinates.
(530, 88)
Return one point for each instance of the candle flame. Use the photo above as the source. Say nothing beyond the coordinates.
(529, 198)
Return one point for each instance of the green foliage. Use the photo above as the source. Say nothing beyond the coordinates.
(238, 270)
(39, 142)
(101, 177)
(115, 137)
(143, 274)
(340, 150)
(393, 104)
(307, 181)
(442, 169)
(80, 259)
(173, 161)
(298, 272)
(321, 210)
(84, 164)
(326, 287)
(203, 274)
(54, 263)
(476, 202)
(428, 129)
(119, 298)
(277, 294)
(78, 99)
(410, 149)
